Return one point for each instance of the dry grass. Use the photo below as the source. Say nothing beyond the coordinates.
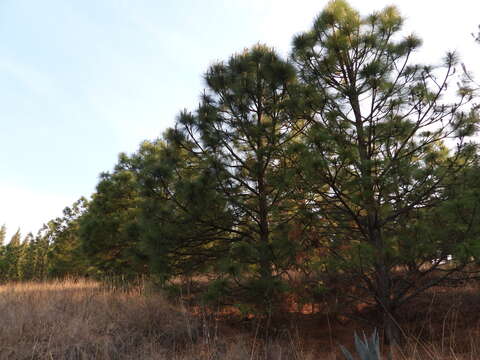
(86, 320)
(83, 320)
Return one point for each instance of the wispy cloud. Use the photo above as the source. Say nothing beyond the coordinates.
(37, 82)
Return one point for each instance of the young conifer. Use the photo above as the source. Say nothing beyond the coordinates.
(240, 137)
(377, 152)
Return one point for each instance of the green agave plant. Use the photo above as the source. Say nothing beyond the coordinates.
(367, 349)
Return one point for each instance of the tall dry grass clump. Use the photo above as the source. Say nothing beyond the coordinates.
(86, 320)
(83, 319)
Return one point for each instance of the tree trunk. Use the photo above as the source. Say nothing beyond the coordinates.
(391, 329)
(392, 333)
(263, 220)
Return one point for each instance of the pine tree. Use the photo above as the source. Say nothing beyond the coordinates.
(183, 220)
(109, 230)
(241, 136)
(14, 257)
(65, 256)
(3, 264)
(28, 265)
(3, 234)
(376, 151)
(42, 245)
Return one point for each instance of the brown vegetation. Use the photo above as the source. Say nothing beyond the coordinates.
(87, 320)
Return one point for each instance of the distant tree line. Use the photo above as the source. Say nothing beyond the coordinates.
(55, 251)
(344, 164)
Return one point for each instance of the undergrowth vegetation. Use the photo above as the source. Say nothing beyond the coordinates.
(83, 319)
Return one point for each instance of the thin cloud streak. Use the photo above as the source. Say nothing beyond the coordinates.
(37, 82)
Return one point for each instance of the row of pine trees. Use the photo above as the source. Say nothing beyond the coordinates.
(343, 164)
(23, 259)
(54, 252)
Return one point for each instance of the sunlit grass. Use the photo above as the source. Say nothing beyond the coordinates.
(68, 284)
(85, 319)
(81, 319)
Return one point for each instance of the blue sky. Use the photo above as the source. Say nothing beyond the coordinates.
(82, 80)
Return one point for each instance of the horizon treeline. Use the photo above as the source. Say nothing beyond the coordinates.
(344, 169)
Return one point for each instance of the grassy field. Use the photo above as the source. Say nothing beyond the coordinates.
(86, 320)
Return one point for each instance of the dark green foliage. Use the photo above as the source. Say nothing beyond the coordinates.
(23, 260)
(66, 256)
(54, 252)
(182, 218)
(109, 230)
(453, 226)
(3, 234)
(375, 155)
(28, 268)
(239, 141)
(243, 130)
(14, 258)
(40, 247)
